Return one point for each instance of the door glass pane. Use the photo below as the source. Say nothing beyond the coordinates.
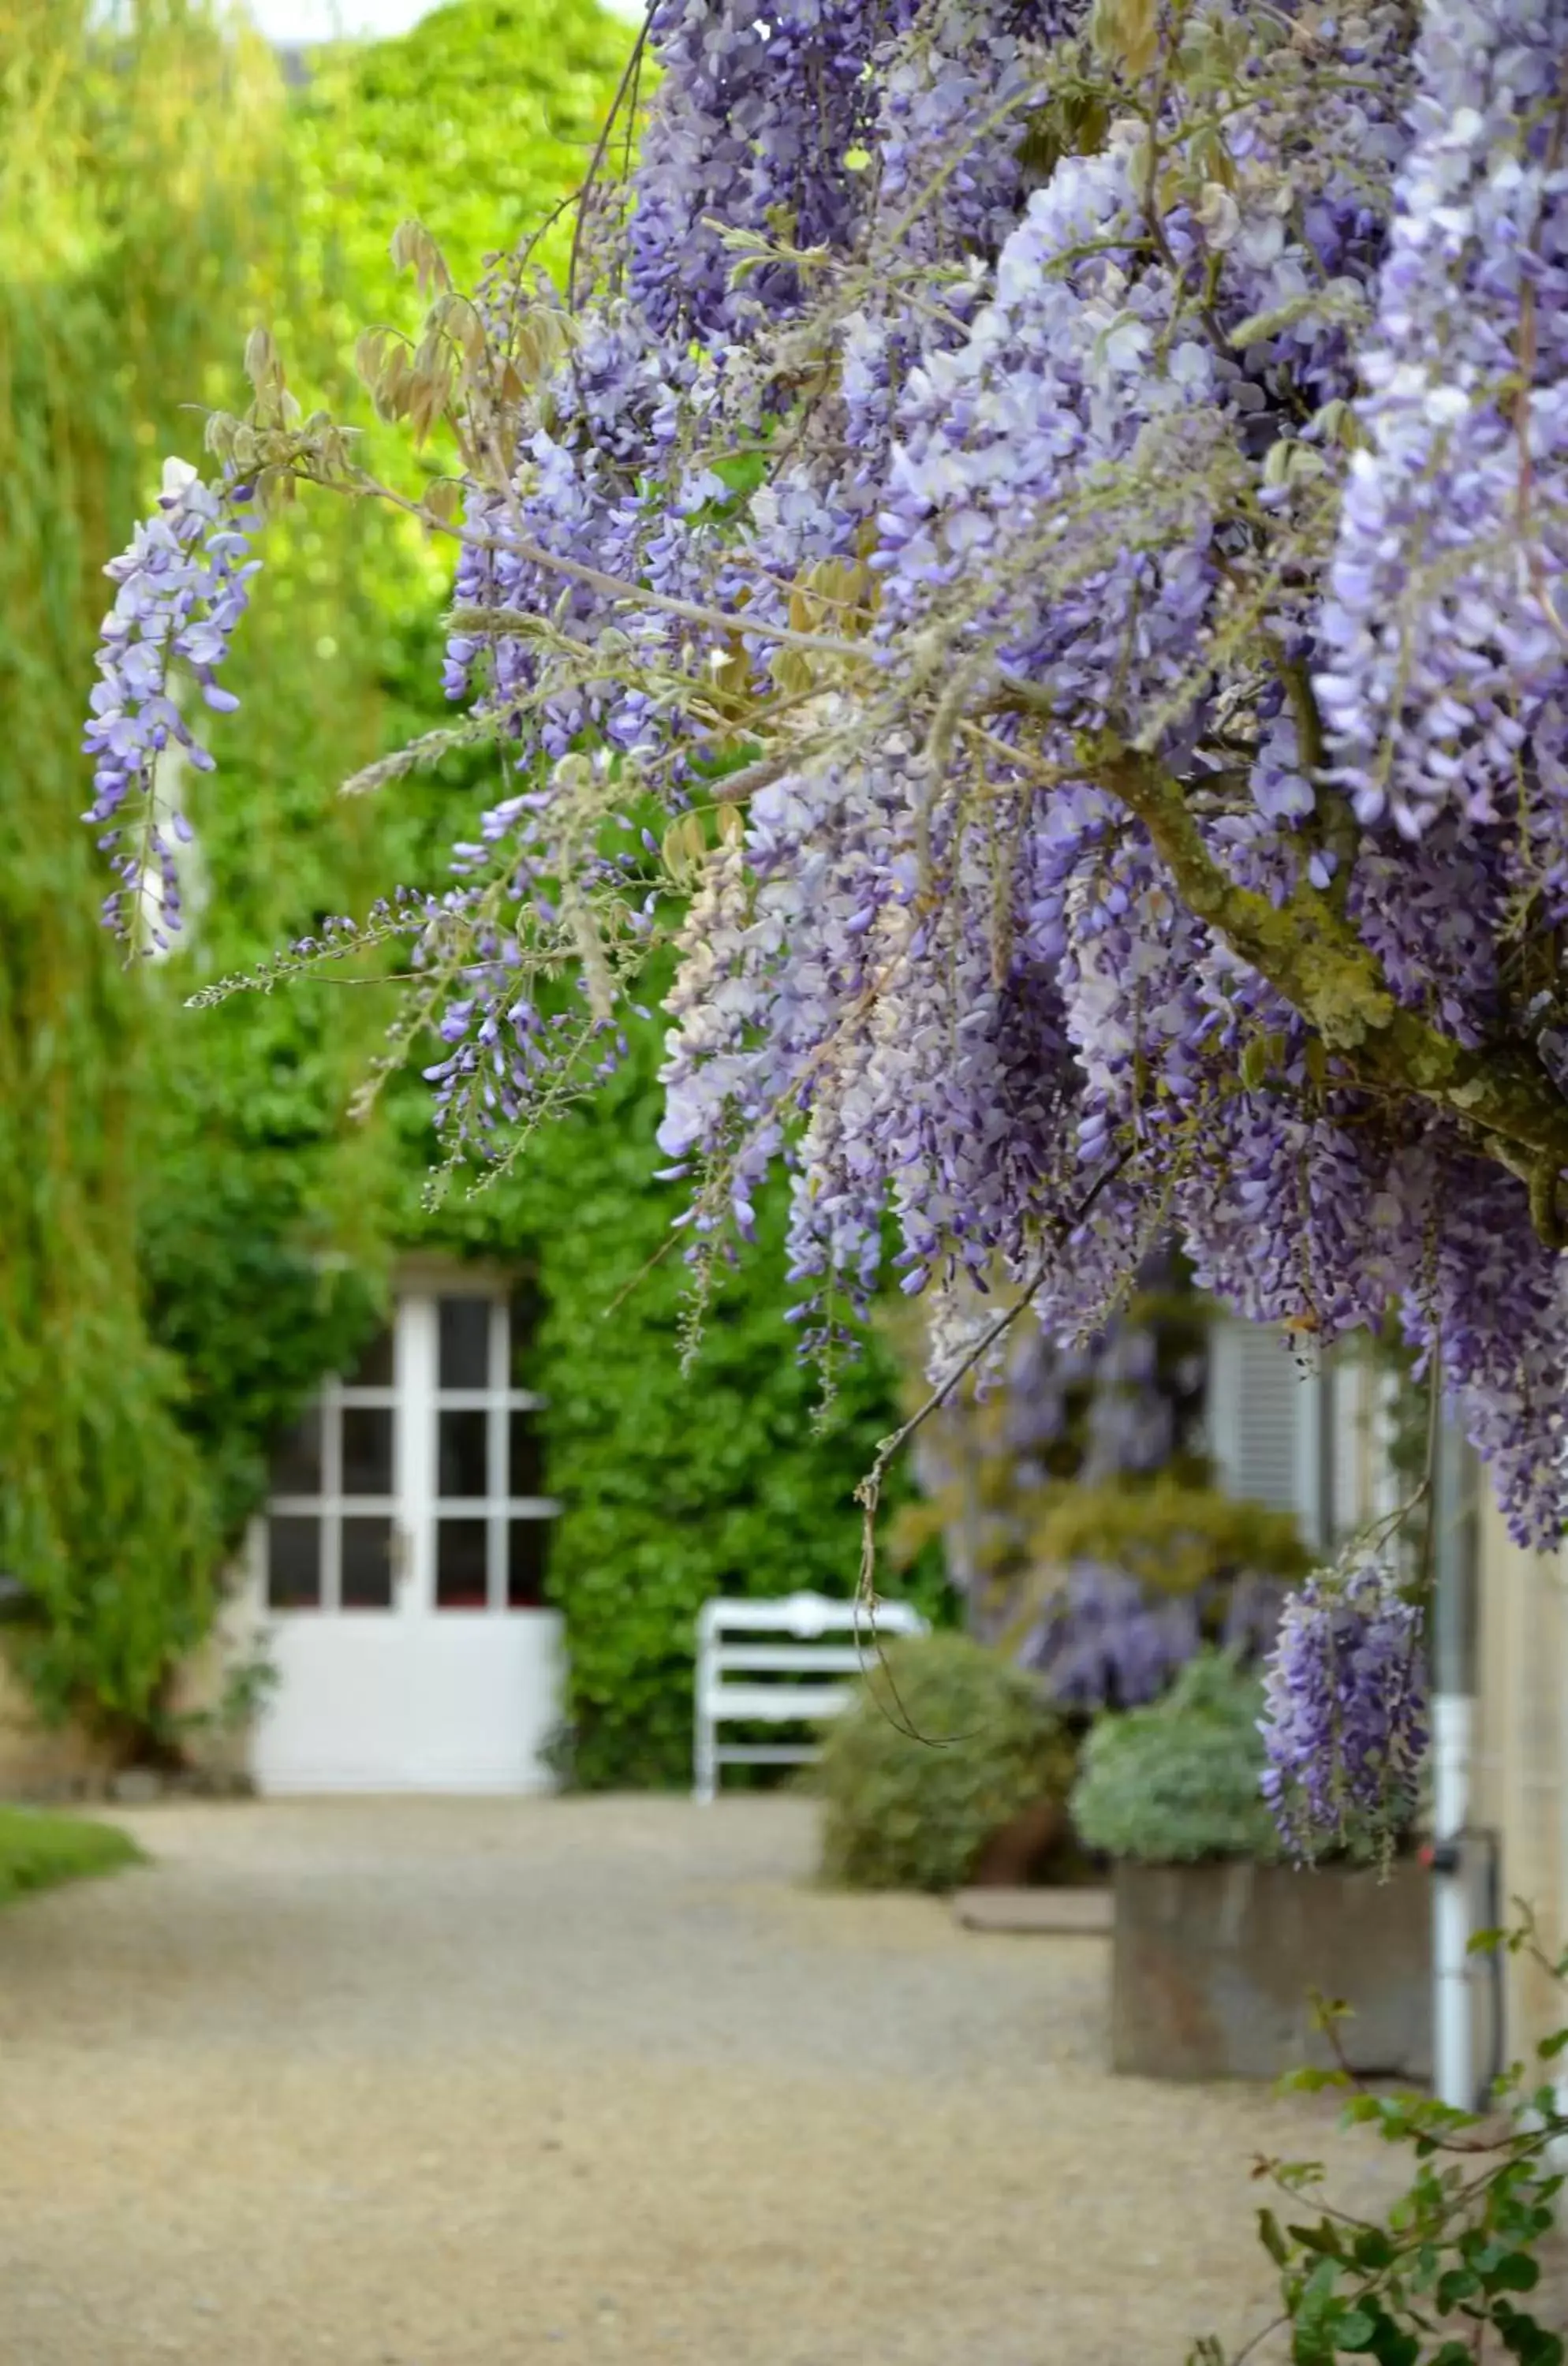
(527, 1455)
(366, 1572)
(460, 1565)
(293, 1564)
(464, 1453)
(465, 1342)
(374, 1369)
(367, 1449)
(528, 1551)
(297, 1462)
(528, 1306)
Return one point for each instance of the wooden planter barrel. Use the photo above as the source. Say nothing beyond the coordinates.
(1213, 1967)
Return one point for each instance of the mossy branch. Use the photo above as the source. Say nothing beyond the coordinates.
(1310, 955)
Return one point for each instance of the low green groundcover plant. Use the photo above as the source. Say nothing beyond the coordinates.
(38, 1851)
(947, 1743)
(1178, 1782)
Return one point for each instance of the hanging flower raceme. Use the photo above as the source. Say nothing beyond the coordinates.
(184, 584)
(1445, 636)
(1345, 1722)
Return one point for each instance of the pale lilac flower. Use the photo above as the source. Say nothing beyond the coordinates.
(183, 586)
(1345, 1709)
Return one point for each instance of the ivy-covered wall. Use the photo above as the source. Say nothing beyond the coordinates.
(267, 1227)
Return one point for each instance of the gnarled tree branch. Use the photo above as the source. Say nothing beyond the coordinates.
(1311, 955)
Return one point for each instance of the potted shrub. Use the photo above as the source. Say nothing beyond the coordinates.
(1220, 1945)
(947, 1745)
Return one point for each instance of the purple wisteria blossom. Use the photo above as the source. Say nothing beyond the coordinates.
(183, 585)
(1444, 664)
(1070, 670)
(1345, 1714)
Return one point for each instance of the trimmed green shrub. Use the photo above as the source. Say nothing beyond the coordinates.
(39, 1851)
(1178, 1781)
(946, 1744)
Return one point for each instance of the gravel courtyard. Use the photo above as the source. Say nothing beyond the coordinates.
(436, 2083)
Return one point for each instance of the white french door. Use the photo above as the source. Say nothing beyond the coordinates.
(401, 1566)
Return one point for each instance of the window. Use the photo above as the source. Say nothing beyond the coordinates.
(332, 1536)
(492, 1514)
(418, 1483)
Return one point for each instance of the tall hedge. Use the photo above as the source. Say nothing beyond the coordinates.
(192, 1233)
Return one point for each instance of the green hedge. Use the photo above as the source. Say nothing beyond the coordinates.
(267, 1223)
(121, 238)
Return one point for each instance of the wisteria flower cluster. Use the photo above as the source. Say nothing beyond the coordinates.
(184, 584)
(1031, 559)
(1345, 1716)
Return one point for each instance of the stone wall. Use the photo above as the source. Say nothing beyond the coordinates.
(48, 1763)
(40, 1763)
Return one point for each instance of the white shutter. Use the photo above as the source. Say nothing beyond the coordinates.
(1264, 1418)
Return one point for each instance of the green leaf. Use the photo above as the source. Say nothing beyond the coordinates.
(1515, 2271)
(1272, 2238)
(742, 471)
(1323, 2239)
(1315, 2318)
(1312, 2081)
(1525, 2338)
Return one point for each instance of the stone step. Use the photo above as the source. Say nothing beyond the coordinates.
(1050, 1911)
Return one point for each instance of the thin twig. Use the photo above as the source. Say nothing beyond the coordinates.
(737, 625)
(589, 181)
(868, 1494)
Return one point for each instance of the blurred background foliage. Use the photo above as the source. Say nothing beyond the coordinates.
(120, 239)
(192, 1231)
(1075, 1495)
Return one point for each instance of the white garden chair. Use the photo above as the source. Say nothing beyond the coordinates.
(743, 1677)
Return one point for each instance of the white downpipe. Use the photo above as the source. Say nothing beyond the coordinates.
(1453, 2042)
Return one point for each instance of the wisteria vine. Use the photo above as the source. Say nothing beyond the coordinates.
(1034, 550)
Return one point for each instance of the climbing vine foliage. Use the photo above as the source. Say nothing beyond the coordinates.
(1033, 545)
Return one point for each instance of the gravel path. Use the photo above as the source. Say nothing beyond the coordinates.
(437, 2083)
